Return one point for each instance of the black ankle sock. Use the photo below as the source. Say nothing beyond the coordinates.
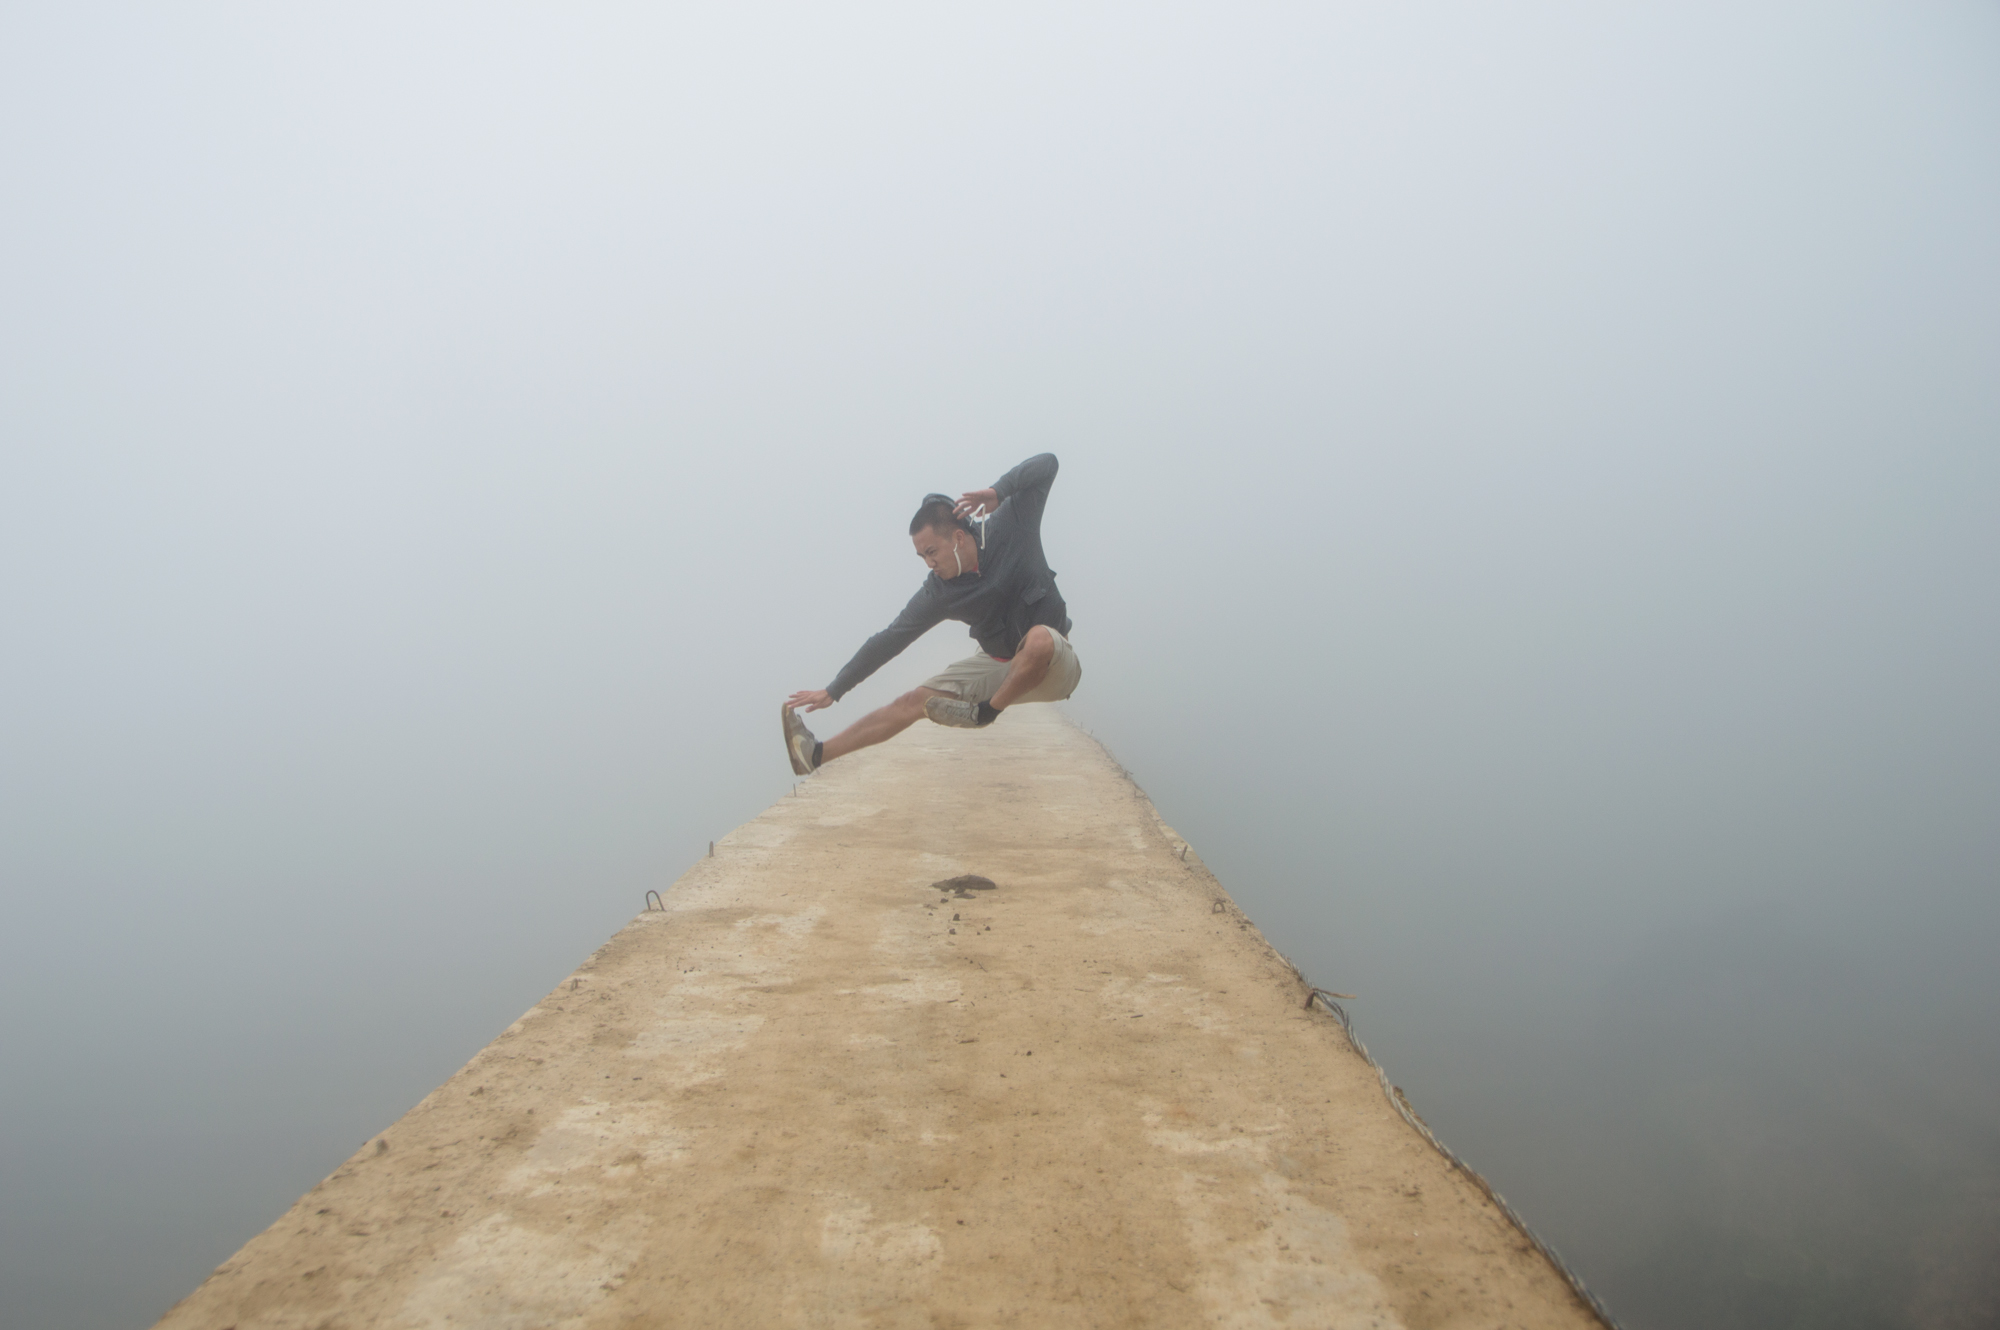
(987, 715)
(818, 748)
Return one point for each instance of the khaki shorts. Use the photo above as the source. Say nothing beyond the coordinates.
(977, 678)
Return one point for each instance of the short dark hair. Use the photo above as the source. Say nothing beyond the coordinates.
(937, 513)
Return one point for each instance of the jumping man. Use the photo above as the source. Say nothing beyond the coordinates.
(998, 582)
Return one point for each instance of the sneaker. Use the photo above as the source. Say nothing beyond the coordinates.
(954, 711)
(799, 744)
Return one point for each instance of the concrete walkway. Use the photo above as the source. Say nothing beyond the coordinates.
(819, 1090)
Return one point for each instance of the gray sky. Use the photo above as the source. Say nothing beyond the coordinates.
(1530, 506)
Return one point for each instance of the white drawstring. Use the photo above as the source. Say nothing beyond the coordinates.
(982, 542)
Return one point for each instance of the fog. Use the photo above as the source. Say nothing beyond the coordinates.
(1530, 507)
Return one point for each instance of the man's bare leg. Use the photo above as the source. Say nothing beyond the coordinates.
(881, 724)
(1030, 667)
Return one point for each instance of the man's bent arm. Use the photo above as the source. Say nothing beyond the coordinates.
(1028, 486)
(922, 614)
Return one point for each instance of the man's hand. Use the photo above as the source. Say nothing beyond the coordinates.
(813, 699)
(974, 502)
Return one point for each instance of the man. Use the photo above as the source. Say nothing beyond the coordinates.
(998, 582)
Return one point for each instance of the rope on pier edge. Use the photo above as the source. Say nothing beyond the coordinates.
(1402, 1105)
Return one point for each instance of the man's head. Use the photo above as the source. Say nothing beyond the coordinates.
(943, 542)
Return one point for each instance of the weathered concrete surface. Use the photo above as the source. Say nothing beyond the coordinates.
(813, 1093)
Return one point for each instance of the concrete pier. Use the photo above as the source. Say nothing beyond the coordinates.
(819, 1089)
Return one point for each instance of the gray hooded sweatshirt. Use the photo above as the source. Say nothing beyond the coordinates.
(1012, 592)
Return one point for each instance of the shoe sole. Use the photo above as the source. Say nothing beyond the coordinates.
(796, 729)
(934, 705)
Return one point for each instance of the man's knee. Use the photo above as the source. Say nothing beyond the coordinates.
(914, 699)
(1039, 644)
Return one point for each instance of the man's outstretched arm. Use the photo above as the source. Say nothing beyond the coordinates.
(921, 615)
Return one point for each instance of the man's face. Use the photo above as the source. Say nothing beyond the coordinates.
(935, 548)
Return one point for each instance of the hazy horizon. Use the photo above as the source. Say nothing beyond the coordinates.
(1530, 503)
